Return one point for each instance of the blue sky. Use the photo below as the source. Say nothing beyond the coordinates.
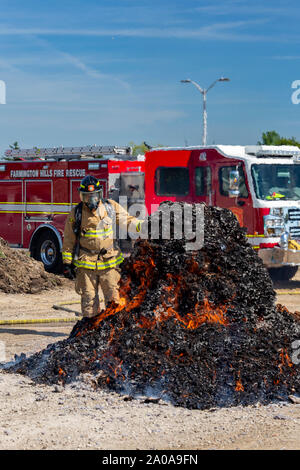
(108, 72)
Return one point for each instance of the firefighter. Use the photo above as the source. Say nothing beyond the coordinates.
(90, 252)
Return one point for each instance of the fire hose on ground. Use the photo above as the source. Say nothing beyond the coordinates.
(59, 306)
(288, 292)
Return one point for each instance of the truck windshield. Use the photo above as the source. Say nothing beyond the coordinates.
(275, 182)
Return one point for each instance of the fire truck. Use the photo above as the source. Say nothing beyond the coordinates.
(259, 184)
(38, 188)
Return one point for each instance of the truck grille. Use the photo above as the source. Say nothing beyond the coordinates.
(295, 232)
(294, 223)
(294, 214)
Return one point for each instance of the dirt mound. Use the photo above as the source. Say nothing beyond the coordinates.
(198, 328)
(21, 274)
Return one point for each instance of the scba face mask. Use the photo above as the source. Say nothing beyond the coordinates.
(91, 200)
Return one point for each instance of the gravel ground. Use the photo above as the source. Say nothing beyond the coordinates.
(76, 417)
(43, 417)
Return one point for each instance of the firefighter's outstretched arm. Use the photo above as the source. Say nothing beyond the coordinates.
(126, 221)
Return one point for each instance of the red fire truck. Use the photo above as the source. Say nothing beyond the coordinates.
(259, 184)
(38, 188)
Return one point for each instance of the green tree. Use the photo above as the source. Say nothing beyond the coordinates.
(290, 141)
(139, 149)
(14, 146)
(273, 138)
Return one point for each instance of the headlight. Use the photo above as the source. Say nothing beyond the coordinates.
(273, 226)
(276, 211)
(274, 222)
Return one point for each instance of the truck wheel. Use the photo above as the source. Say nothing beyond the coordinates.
(285, 273)
(47, 250)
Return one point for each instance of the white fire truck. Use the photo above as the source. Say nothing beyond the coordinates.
(38, 188)
(259, 184)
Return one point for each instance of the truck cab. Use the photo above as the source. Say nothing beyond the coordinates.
(259, 184)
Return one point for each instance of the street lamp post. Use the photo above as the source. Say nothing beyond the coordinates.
(204, 93)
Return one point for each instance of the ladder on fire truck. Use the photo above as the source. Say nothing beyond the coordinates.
(68, 153)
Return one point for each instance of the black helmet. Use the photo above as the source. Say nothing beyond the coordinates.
(91, 192)
(90, 184)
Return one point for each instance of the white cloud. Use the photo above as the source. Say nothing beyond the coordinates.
(208, 31)
(48, 55)
(91, 72)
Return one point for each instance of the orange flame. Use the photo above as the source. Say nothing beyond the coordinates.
(238, 384)
(284, 359)
(174, 289)
(205, 313)
(117, 368)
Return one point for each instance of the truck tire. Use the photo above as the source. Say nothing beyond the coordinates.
(285, 273)
(47, 250)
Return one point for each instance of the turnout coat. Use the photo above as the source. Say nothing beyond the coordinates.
(97, 237)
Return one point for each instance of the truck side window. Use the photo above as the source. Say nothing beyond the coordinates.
(172, 181)
(202, 180)
(224, 173)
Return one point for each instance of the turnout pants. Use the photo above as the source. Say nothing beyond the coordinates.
(97, 288)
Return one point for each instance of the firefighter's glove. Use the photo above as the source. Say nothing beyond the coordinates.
(69, 271)
(143, 229)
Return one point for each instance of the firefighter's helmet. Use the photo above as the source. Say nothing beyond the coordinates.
(91, 192)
